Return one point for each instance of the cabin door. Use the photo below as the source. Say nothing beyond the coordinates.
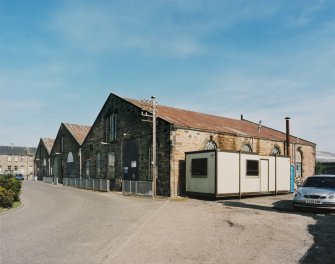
(264, 175)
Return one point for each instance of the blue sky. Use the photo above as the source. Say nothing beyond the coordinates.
(59, 60)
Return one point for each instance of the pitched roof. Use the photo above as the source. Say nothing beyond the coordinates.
(79, 132)
(12, 150)
(205, 122)
(48, 143)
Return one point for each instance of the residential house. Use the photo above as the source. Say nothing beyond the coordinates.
(17, 160)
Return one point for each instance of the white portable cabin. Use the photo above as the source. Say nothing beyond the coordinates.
(216, 173)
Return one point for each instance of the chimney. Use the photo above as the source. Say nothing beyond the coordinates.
(288, 136)
(241, 117)
(259, 126)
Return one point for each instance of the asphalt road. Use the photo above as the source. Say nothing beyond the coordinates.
(60, 224)
(66, 225)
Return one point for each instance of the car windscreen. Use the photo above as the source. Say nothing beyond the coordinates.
(320, 182)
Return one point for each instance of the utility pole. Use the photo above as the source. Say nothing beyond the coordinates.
(152, 118)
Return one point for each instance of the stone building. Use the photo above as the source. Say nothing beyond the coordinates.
(65, 155)
(119, 144)
(17, 160)
(42, 158)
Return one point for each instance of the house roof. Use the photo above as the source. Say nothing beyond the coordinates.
(205, 122)
(79, 132)
(12, 150)
(325, 157)
(48, 143)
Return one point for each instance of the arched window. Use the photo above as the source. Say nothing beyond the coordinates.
(275, 150)
(70, 157)
(70, 164)
(210, 144)
(246, 148)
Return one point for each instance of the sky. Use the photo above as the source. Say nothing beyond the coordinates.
(60, 59)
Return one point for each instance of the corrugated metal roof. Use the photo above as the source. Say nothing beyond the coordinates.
(205, 122)
(325, 157)
(48, 143)
(12, 150)
(79, 132)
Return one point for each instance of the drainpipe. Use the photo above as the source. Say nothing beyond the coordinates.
(288, 153)
(239, 175)
(80, 169)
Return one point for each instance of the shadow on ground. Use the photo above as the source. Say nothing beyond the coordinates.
(323, 231)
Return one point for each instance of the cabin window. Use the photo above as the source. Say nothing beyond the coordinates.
(252, 167)
(199, 167)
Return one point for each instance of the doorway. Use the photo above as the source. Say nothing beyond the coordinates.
(130, 160)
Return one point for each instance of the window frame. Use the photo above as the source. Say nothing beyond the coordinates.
(200, 173)
(251, 172)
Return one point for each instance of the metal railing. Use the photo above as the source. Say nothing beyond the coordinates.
(90, 184)
(51, 180)
(137, 187)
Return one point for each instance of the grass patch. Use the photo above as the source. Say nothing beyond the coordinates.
(15, 205)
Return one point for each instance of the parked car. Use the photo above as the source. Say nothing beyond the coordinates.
(19, 176)
(317, 191)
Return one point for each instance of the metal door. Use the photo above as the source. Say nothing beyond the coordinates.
(264, 175)
(130, 161)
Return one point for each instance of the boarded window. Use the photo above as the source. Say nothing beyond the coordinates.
(199, 167)
(252, 167)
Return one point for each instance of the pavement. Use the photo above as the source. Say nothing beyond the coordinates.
(60, 224)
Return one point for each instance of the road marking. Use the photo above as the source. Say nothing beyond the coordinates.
(118, 250)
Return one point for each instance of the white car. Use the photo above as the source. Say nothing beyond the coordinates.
(317, 191)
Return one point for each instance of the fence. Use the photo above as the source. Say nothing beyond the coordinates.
(137, 187)
(50, 180)
(90, 184)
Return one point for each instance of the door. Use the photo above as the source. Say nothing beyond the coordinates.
(130, 161)
(264, 175)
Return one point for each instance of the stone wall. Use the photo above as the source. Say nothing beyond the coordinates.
(60, 167)
(41, 156)
(129, 128)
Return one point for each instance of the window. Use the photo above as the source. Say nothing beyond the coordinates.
(70, 164)
(199, 167)
(210, 144)
(9, 168)
(276, 150)
(15, 168)
(111, 127)
(9, 158)
(16, 158)
(87, 167)
(252, 167)
(246, 148)
(98, 165)
(62, 144)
